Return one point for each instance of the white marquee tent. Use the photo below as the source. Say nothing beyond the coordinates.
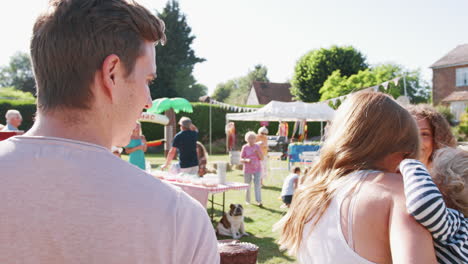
(283, 111)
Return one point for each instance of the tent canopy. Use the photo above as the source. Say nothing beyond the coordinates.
(283, 111)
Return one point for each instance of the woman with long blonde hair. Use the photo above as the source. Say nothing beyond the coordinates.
(351, 206)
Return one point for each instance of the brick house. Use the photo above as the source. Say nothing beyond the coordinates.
(262, 93)
(450, 80)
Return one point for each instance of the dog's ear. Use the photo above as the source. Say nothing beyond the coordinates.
(232, 206)
(240, 205)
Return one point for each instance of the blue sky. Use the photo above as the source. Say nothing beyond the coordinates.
(233, 36)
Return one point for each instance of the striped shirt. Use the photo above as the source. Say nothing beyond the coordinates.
(449, 227)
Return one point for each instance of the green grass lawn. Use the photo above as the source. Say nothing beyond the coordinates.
(258, 221)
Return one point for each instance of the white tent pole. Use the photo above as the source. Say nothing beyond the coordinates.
(321, 130)
(210, 130)
(404, 84)
(227, 136)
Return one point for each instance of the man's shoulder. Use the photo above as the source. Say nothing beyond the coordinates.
(186, 134)
(180, 134)
(6, 147)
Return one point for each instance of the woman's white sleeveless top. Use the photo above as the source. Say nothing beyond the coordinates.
(326, 242)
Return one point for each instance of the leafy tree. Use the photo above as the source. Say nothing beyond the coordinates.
(417, 89)
(223, 90)
(313, 69)
(236, 91)
(195, 91)
(18, 73)
(176, 59)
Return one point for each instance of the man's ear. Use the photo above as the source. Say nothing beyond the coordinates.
(109, 71)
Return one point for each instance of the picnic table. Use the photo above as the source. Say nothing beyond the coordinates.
(201, 193)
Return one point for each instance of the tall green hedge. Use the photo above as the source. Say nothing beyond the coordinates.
(200, 118)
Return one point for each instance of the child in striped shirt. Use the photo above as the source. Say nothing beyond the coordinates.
(429, 205)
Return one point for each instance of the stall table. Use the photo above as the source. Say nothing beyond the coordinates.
(6, 135)
(294, 151)
(201, 193)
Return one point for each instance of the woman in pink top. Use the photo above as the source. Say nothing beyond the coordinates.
(251, 155)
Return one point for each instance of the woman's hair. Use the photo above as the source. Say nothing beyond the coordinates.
(367, 127)
(263, 130)
(249, 134)
(440, 127)
(138, 124)
(450, 173)
(202, 150)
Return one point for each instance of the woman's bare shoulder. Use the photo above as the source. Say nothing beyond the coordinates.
(383, 189)
(387, 182)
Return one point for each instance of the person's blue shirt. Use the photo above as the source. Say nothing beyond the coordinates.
(9, 128)
(137, 157)
(186, 142)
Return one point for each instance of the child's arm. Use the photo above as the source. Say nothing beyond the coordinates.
(425, 203)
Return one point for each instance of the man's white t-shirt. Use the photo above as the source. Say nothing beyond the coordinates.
(288, 184)
(65, 201)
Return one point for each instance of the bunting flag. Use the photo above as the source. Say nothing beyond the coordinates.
(385, 85)
(232, 108)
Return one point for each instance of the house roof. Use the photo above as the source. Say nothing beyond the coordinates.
(267, 92)
(456, 96)
(457, 56)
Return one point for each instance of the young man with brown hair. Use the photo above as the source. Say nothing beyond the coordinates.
(65, 197)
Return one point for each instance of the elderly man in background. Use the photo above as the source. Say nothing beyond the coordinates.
(13, 120)
(186, 143)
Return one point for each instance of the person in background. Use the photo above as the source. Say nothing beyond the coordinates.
(230, 130)
(434, 129)
(13, 120)
(64, 197)
(283, 129)
(202, 155)
(289, 186)
(251, 156)
(185, 142)
(440, 203)
(137, 147)
(262, 141)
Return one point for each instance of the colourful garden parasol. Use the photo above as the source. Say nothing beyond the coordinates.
(178, 104)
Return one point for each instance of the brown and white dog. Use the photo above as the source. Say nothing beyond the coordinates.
(232, 223)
